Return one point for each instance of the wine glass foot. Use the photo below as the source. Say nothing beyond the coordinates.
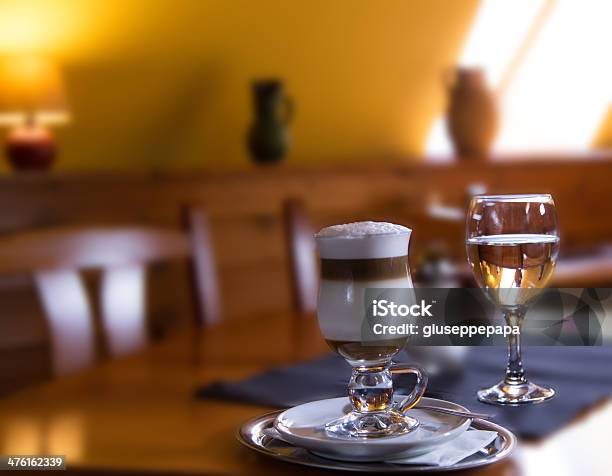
(510, 393)
(371, 425)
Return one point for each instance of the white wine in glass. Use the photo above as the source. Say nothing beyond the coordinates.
(512, 245)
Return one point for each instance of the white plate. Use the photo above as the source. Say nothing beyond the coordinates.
(254, 434)
(303, 426)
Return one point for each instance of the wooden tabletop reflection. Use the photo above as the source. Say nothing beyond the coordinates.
(138, 414)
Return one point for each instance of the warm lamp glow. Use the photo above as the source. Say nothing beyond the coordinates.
(31, 90)
(63, 27)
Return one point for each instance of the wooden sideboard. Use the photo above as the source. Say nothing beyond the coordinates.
(244, 208)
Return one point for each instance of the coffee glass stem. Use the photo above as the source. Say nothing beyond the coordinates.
(374, 413)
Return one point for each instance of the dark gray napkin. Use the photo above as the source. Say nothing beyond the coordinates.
(582, 377)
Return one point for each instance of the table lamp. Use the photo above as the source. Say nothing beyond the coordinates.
(32, 97)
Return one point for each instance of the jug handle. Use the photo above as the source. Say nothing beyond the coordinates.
(289, 109)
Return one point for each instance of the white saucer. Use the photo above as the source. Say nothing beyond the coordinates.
(255, 435)
(303, 426)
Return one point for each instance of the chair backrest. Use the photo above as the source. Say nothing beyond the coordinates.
(303, 267)
(202, 266)
(55, 256)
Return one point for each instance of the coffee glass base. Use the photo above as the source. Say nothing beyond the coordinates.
(515, 393)
(371, 425)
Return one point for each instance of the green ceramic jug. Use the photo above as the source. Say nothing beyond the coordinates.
(268, 138)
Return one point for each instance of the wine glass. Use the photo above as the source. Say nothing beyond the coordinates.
(512, 245)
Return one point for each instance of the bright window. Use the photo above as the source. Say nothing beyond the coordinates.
(548, 61)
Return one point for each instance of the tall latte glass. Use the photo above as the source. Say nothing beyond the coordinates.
(357, 257)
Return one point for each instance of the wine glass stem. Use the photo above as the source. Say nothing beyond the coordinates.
(515, 374)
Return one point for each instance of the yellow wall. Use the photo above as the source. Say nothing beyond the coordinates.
(157, 84)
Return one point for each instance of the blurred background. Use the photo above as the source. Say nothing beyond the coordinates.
(272, 119)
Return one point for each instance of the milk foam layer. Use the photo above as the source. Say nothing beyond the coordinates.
(362, 228)
(363, 240)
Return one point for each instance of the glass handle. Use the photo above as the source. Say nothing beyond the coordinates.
(417, 392)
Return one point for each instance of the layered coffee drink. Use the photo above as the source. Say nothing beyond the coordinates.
(356, 257)
(360, 264)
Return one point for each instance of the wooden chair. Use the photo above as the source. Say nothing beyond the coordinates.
(55, 256)
(299, 237)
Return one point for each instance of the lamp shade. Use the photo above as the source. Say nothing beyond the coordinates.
(31, 90)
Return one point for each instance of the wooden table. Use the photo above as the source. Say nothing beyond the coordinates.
(138, 414)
